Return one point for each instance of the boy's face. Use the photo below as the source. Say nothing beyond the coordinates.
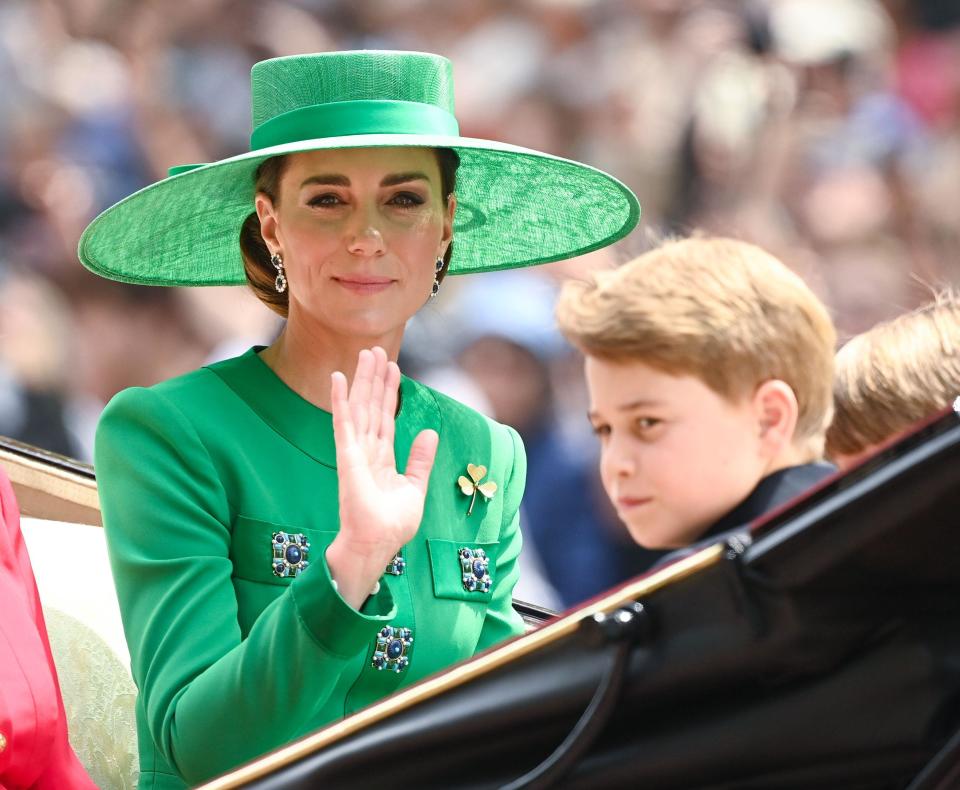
(675, 455)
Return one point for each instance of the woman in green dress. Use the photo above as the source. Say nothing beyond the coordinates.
(297, 532)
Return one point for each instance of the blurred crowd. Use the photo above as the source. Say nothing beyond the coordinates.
(827, 131)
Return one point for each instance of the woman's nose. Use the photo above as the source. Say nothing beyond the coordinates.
(364, 236)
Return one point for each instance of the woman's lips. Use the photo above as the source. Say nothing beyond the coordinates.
(364, 285)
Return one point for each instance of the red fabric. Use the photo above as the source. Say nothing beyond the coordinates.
(928, 77)
(32, 718)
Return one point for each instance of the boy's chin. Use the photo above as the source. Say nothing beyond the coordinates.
(662, 536)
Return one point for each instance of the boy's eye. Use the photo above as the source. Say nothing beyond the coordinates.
(406, 200)
(646, 423)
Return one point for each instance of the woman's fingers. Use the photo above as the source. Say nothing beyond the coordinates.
(420, 462)
(375, 406)
(343, 432)
(360, 392)
(388, 416)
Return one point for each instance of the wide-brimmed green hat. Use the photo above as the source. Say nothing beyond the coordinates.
(515, 207)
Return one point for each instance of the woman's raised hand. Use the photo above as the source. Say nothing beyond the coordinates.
(380, 509)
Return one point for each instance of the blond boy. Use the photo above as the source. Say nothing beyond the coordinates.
(709, 367)
(891, 376)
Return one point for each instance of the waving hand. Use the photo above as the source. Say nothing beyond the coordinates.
(380, 508)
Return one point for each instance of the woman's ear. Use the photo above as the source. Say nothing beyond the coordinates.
(776, 410)
(448, 221)
(268, 221)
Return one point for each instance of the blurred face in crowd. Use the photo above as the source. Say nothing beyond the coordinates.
(675, 455)
(512, 378)
(360, 231)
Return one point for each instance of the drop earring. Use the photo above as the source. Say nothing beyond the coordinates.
(436, 278)
(281, 282)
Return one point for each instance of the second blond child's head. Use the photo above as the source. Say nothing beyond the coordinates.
(709, 365)
(893, 375)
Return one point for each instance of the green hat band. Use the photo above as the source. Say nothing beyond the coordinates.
(345, 118)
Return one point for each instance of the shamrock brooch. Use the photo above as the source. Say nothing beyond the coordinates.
(470, 486)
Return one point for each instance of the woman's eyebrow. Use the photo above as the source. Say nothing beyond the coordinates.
(336, 180)
(327, 179)
(402, 178)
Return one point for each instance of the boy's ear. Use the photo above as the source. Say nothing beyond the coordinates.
(776, 410)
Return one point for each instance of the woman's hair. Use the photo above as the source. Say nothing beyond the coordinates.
(721, 310)
(261, 274)
(897, 373)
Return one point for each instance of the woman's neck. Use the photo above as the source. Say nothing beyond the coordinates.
(304, 357)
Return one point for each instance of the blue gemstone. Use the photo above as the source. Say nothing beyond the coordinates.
(395, 649)
(378, 662)
(278, 537)
(466, 553)
(386, 631)
(278, 568)
(293, 555)
(479, 569)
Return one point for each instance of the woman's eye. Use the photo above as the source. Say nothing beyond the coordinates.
(646, 423)
(406, 200)
(601, 430)
(328, 199)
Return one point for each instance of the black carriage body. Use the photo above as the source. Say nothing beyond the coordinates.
(822, 650)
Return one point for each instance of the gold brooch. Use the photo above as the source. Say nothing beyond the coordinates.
(471, 486)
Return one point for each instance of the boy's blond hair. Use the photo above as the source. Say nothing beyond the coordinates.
(719, 309)
(895, 374)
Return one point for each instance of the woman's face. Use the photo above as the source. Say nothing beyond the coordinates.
(359, 231)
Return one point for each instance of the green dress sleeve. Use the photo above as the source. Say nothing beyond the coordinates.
(502, 620)
(211, 699)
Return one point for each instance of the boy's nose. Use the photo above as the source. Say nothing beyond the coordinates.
(621, 461)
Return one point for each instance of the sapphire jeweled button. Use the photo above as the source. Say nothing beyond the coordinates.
(475, 568)
(392, 648)
(290, 553)
(397, 565)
